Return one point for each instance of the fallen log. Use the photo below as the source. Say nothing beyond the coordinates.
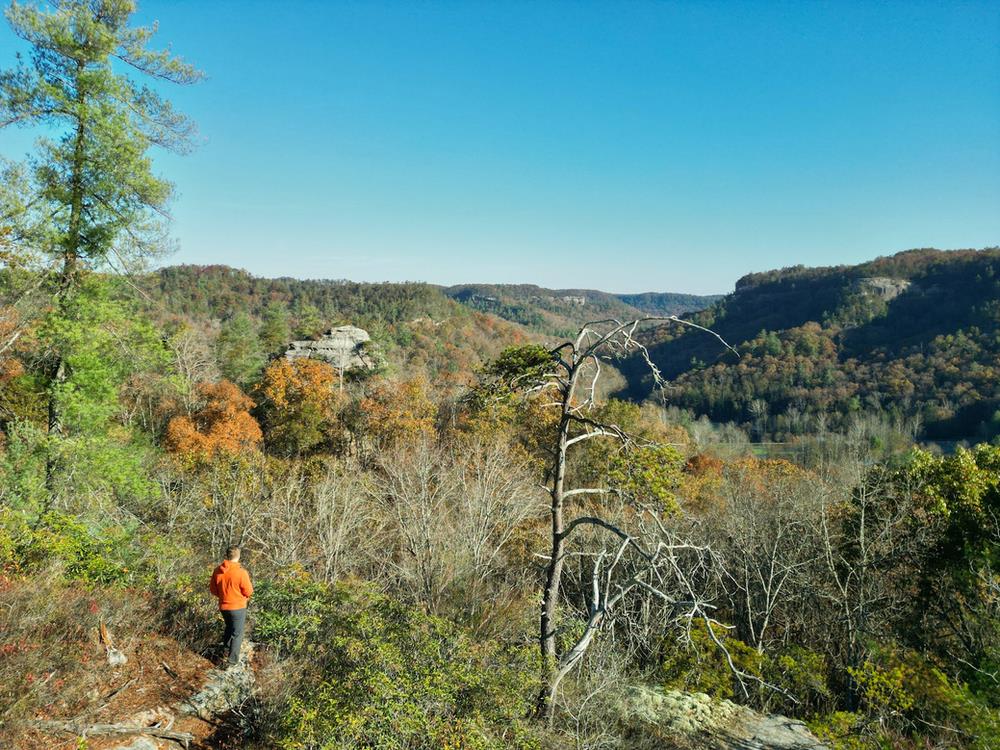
(89, 730)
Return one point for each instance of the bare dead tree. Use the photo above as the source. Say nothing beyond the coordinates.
(673, 570)
(567, 383)
(591, 704)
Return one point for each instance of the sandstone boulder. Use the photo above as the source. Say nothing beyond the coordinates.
(344, 347)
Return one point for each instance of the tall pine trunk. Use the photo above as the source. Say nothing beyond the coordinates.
(68, 276)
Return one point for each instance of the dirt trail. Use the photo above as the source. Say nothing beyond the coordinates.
(163, 698)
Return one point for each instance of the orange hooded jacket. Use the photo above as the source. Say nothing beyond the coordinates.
(231, 584)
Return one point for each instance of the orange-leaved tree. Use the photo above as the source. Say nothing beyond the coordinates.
(301, 405)
(221, 425)
(398, 412)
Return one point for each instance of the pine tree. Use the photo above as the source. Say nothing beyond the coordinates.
(93, 182)
(238, 350)
(310, 322)
(275, 329)
(96, 179)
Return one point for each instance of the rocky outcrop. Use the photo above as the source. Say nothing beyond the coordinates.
(682, 720)
(344, 347)
(882, 286)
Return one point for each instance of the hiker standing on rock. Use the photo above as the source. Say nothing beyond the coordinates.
(231, 584)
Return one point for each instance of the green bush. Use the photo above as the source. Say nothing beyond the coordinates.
(702, 667)
(906, 693)
(13, 531)
(792, 671)
(102, 556)
(841, 730)
(385, 675)
(288, 612)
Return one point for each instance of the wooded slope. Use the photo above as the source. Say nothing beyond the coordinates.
(916, 334)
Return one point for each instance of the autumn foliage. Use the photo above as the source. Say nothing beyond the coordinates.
(399, 412)
(10, 367)
(302, 404)
(223, 424)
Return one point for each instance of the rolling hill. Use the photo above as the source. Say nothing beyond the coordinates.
(441, 330)
(561, 312)
(915, 335)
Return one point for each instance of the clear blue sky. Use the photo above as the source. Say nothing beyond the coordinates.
(628, 146)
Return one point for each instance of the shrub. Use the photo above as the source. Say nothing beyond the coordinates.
(102, 556)
(288, 612)
(841, 730)
(385, 675)
(794, 671)
(702, 667)
(909, 695)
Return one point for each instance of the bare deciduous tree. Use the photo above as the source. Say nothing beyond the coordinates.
(349, 534)
(872, 541)
(764, 534)
(235, 499)
(194, 362)
(495, 497)
(415, 489)
(453, 512)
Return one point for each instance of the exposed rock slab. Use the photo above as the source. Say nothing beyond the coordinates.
(696, 720)
(224, 689)
(343, 347)
(883, 286)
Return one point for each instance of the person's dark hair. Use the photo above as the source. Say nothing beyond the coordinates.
(232, 553)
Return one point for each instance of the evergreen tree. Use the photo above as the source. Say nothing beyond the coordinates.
(275, 329)
(310, 322)
(104, 200)
(94, 181)
(238, 350)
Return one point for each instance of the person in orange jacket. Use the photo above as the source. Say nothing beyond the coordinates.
(231, 584)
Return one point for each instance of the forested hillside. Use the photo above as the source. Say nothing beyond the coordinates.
(669, 303)
(914, 335)
(418, 330)
(438, 331)
(559, 312)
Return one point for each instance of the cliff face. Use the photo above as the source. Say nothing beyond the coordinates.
(343, 347)
(883, 287)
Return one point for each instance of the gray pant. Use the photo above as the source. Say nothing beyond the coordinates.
(232, 638)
